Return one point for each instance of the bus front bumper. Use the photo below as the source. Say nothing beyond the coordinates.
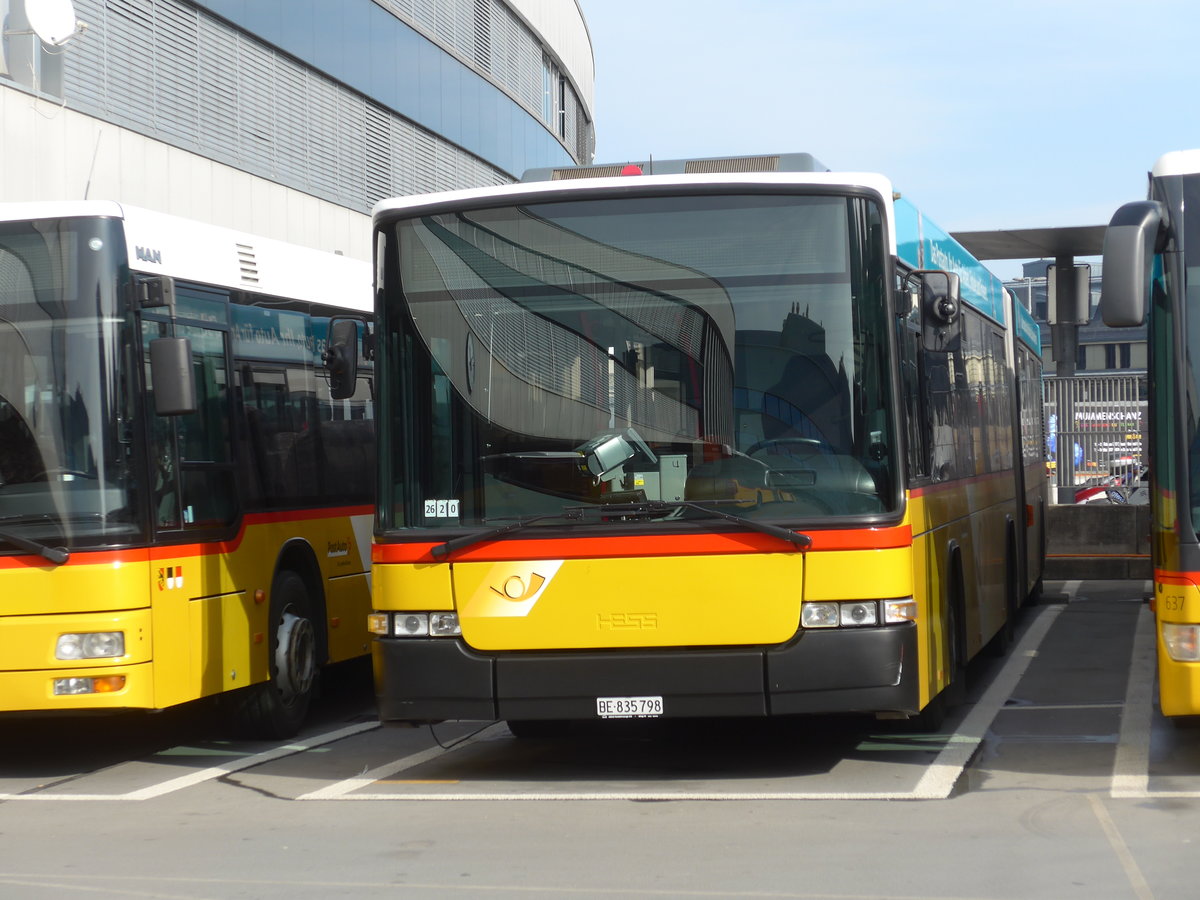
(865, 670)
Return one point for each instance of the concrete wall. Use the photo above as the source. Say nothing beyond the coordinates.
(1098, 540)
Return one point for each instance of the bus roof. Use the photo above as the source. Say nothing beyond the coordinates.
(162, 244)
(915, 239)
(1179, 162)
(550, 191)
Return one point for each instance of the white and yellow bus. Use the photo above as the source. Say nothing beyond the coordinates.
(184, 509)
(727, 438)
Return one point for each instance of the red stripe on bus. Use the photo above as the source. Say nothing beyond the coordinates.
(647, 545)
(170, 551)
(1184, 579)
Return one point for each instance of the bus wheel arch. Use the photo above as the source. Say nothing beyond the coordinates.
(295, 646)
(297, 556)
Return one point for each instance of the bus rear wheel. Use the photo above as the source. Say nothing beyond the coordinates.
(276, 708)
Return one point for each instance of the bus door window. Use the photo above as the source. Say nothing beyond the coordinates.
(192, 463)
(916, 417)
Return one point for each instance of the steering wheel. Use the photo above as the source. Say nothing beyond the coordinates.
(806, 445)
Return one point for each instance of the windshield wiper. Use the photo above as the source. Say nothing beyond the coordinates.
(803, 541)
(458, 543)
(56, 555)
(645, 507)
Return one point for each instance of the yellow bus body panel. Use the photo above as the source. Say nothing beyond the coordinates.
(415, 587)
(631, 602)
(195, 623)
(1178, 682)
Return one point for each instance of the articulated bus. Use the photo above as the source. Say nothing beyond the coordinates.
(1152, 267)
(185, 510)
(735, 438)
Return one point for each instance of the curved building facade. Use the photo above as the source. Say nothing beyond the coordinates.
(289, 118)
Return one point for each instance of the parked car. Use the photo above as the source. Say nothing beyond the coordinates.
(1128, 488)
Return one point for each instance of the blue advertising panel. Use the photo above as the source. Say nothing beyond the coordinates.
(921, 243)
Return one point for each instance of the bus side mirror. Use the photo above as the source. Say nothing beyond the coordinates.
(1135, 233)
(341, 358)
(171, 376)
(941, 309)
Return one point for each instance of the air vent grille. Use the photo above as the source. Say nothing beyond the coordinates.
(247, 264)
(588, 172)
(738, 164)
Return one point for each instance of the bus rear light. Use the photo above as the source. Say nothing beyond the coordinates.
(90, 645)
(108, 684)
(1182, 641)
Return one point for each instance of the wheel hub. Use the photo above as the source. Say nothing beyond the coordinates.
(295, 655)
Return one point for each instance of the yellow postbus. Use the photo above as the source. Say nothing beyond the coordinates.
(184, 509)
(703, 438)
(1152, 277)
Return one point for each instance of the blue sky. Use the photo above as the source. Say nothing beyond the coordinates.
(985, 114)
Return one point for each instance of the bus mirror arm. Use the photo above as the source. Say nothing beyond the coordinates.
(1135, 234)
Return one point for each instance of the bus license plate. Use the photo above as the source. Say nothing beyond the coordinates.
(628, 707)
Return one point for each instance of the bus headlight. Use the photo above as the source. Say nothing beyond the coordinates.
(109, 684)
(90, 645)
(819, 615)
(857, 613)
(444, 624)
(904, 610)
(414, 624)
(1182, 641)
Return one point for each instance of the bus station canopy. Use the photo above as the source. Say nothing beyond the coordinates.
(1031, 243)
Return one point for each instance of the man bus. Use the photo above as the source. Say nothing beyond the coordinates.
(184, 509)
(1152, 268)
(727, 438)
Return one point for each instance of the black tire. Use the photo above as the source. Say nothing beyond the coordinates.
(998, 646)
(276, 708)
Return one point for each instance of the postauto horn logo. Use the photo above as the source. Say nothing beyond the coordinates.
(512, 589)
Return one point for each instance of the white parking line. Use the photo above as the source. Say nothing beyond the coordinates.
(194, 778)
(936, 784)
(1131, 765)
(1131, 768)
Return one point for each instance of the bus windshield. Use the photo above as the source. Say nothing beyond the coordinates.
(65, 417)
(721, 349)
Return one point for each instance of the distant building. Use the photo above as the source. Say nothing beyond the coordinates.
(1101, 349)
(287, 118)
